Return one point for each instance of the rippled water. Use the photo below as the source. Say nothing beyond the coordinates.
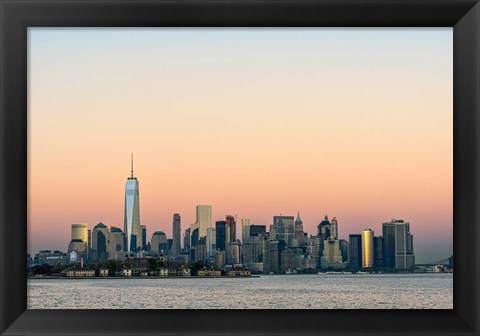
(380, 291)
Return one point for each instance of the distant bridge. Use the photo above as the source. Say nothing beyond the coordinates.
(433, 263)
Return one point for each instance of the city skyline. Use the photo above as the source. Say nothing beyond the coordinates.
(284, 228)
(236, 221)
(207, 131)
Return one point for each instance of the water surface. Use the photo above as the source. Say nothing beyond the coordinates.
(376, 291)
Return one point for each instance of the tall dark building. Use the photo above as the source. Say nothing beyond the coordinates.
(193, 245)
(355, 251)
(89, 244)
(274, 253)
(176, 230)
(221, 234)
(99, 238)
(323, 232)
(285, 228)
(231, 229)
(397, 245)
(344, 249)
(323, 229)
(133, 242)
(388, 232)
(257, 230)
(378, 251)
(186, 240)
(144, 236)
(201, 249)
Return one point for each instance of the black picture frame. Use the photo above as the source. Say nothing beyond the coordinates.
(17, 15)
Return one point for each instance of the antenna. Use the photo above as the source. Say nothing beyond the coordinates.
(132, 165)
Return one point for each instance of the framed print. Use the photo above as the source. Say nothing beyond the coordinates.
(298, 161)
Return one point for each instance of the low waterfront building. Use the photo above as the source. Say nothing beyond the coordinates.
(124, 272)
(239, 272)
(137, 265)
(209, 271)
(79, 272)
(174, 271)
(103, 272)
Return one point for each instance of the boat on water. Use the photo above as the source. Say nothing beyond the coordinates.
(334, 273)
(361, 272)
(289, 272)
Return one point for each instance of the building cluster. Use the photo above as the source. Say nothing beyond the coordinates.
(277, 248)
(144, 270)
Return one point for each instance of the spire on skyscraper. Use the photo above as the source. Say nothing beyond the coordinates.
(132, 166)
(298, 220)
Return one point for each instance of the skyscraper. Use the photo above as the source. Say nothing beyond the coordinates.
(404, 257)
(388, 231)
(204, 219)
(324, 229)
(355, 251)
(331, 256)
(194, 239)
(132, 228)
(79, 242)
(231, 229)
(186, 241)
(257, 230)
(176, 229)
(367, 248)
(344, 246)
(299, 234)
(245, 230)
(100, 241)
(285, 228)
(80, 231)
(323, 232)
(397, 245)
(117, 242)
(274, 253)
(211, 242)
(378, 251)
(334, 228)
(221, 234)
(143, 229)
(233, 253)
(159, 243)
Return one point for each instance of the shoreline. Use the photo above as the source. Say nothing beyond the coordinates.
(142, 277)
(219, 277)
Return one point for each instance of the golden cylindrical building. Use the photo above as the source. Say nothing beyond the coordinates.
(80, 231)
(367, 248)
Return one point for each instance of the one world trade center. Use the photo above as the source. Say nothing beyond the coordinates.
(132, 214)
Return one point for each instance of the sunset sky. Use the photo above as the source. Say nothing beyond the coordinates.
(353, 123)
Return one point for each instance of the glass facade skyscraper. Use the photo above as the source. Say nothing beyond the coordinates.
(355, 251)
(221, 234)
(397, 245)
(132, 227)
(204, 219)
